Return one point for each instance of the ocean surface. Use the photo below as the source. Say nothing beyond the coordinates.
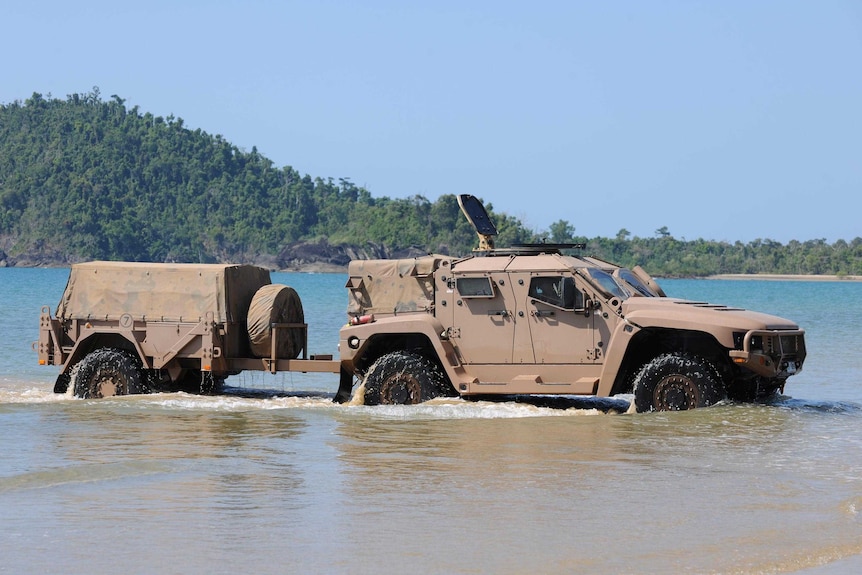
(272, 477)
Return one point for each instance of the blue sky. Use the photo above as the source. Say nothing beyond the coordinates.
(726, 120)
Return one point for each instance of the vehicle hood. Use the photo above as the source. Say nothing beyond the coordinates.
(699, 316)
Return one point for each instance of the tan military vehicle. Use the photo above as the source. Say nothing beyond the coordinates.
(530, 320)
(526, 319)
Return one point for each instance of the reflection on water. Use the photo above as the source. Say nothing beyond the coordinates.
(272, 483)
(718, 492)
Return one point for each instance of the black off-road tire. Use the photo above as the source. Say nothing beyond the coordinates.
(106, 372)
(676, 382)
(62, 383)
(404, 378)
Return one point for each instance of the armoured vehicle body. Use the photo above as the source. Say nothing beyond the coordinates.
(531, 320)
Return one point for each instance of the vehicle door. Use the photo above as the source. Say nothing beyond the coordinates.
(561, 326)
(483, 324)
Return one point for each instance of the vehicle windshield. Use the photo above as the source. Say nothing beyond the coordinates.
(606, 283)
(635, 282)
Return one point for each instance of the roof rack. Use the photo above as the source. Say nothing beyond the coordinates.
(535, 249)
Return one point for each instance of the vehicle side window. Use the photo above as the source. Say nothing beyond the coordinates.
(558, 291)
(606, 282)
(475, 287)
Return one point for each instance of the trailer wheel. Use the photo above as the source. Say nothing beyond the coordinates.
(106, 372)
(677, 381)
(404, 378)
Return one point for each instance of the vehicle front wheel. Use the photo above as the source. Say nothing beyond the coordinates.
(404, 378)
(676, 382)
(106, 372)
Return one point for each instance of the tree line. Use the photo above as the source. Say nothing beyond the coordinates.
(86, 178)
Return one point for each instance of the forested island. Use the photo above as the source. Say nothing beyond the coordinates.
(86, 178)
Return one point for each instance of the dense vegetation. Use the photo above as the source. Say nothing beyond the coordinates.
(84, 178)
(90, 179)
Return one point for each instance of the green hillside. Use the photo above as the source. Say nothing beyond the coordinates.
(83, 178)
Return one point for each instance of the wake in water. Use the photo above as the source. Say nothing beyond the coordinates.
(787, 402)
(250, 398)
(15, 391)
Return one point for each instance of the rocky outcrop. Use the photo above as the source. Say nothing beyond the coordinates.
(316, 256)
(38, 258)
(323, 256)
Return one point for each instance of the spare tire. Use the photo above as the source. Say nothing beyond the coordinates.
(275, 303)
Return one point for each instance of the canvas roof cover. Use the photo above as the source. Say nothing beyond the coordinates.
(392, 286)
(156, 292)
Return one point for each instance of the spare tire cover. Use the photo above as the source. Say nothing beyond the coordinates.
(275, 303)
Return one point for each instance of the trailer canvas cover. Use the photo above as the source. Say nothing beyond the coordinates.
(151, 291)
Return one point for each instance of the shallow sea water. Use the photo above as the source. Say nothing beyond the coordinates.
(272, 477)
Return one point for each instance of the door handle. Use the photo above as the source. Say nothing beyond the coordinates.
(543, 312)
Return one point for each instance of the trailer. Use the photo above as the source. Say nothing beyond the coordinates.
(130, 327)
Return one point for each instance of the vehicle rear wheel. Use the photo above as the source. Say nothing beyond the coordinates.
(677, 381)
(404, 378)
(106, 372)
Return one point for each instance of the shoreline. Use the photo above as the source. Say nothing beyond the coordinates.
(786, 277)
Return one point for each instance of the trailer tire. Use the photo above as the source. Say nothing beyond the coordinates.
(107, 372)
(404, 378)
(676, 382)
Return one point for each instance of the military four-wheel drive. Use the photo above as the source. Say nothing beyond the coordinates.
(526, 319)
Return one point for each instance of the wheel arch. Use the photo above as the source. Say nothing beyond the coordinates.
(98, 340)
(380, 344)
(362, 345)
(648, 343)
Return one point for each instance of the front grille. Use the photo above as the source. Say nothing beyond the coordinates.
(790, 344)
(787, 348)
(782, 347)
